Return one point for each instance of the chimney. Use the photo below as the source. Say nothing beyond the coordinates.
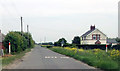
(92, 27)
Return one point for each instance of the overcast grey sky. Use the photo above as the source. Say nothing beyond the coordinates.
(54, 19)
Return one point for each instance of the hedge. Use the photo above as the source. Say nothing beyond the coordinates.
(102, 47)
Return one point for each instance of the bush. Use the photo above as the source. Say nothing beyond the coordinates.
(18, 42)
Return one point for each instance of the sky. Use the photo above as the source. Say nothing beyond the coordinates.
(50, 20)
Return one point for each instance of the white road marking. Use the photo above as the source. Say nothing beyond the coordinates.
(55, 57)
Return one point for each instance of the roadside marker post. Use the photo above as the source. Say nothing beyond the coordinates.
(9, 48)
(106, 47)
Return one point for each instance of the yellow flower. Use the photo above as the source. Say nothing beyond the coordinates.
(80, 50)
(68, 48)
(74, 49)
(115, 53)
(96, 51)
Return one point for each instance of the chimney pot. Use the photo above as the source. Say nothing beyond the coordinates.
(92, 27)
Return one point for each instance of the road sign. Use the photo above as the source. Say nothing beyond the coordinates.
(62, 43)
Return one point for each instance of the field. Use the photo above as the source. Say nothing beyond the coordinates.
(98, 58)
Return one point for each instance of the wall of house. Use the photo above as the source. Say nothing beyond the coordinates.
(103, 38)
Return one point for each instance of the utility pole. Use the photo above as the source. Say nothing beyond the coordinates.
(27, 28)
(21, 25)
(44, 39)
(28, 35)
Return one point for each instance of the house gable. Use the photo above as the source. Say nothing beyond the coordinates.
(98, 32)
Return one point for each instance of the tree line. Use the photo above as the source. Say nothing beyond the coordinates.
(76, 41)
(63, 42)
(19, 41)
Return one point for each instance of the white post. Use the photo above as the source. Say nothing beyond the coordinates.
(9, 48)
(106, 47)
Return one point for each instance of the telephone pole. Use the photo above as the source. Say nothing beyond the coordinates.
(27, 28)
(21, 25)
(28, 35)
(44, 39)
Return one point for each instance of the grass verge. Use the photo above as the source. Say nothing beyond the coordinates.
(8, 60)
(96, 57)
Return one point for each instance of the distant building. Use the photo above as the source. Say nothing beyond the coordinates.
(93, 36)
(112, 42)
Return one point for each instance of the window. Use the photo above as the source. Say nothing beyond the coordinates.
(94, 37)
(98, 37)
(82, 38)
(85, 37)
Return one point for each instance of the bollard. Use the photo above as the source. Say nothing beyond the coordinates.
(9, 48)
(106, 47)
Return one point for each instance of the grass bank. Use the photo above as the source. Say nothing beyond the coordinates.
(10, 59)
(96, 57)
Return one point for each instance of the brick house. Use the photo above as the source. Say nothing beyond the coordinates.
(2, 36)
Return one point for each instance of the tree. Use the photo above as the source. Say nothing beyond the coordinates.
(76, 40)
(29, 40)
(60, 42)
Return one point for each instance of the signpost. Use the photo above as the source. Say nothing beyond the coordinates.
(9, 48)
(62, 43)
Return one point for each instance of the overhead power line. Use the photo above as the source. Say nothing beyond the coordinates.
(5, 8)
(15, 7)
(3, 4)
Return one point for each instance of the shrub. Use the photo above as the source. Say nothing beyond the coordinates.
(18, 42)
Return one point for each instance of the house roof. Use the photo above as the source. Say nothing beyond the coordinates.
(111, 41)
(88, 32)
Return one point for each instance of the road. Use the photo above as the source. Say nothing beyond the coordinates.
(43, 58)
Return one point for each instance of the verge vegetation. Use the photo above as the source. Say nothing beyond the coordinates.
(94, 57)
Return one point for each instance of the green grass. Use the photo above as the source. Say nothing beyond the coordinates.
(101, 59)
(8, 60)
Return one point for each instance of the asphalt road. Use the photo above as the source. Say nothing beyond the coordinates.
(43, 58)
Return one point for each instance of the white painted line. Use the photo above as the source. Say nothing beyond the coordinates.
(55, 57)
(64, 57)
(48, 56)
(52, 57)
